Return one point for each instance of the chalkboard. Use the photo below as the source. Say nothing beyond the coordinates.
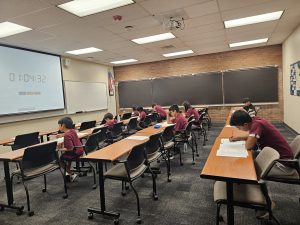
(198, 89)
(137, 93)
(85, 96)
(259, 84)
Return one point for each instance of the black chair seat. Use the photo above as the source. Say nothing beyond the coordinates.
(119, 172)
(168, 145)
(35, 172)
(182, 138)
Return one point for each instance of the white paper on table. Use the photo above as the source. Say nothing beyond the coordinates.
(82, 134)
(165, 124)
(139, 138)
(60, 140)
(230, 126)
(233, 149)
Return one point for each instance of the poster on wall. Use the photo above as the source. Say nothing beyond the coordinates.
(111, 81)
(295, 79)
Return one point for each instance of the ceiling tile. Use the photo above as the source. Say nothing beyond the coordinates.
(234, 4)
(202, 9)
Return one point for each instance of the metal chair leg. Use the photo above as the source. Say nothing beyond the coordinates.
(65, 185)
(30, 213)
(45, 184)
(155, 197)
(138, 203)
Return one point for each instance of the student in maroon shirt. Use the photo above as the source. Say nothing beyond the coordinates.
(110, 121)
(161, 112)
(142, 113)
(175, 116)
(261, 132)
(70, 146)
(191, 111)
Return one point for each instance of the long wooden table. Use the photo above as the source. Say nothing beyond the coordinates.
(229, 169)
(12, 156)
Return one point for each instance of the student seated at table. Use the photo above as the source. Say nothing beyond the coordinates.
(71, 140)
(134, 111)
(161, 112)
(142, 113)
(250, 109)
(109, 120)
(261, 132)
(175, 116)
(191, 111)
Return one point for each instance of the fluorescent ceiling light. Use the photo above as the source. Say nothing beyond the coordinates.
(154, 38)
(252, 42)
(124, 61)
(87, 7)
(8, 29)
(84, 51)
(178, 53)
(253, 19)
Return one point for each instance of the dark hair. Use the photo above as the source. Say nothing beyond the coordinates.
(239, 118)
(134, 108)
(246, 100)
(174, 107)
(186, 105)
(67, 121)
(108, 116)
(153, 105)
(140, 109)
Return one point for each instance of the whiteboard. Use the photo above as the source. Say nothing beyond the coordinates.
(85, 96)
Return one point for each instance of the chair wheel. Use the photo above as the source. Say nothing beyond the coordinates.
(169, 180)
(193, 163)
(94, 186)
(65, 196)
(116, 221)
(1, 208)
(181, 164)
(19, 212)
(197, 155)
(30, 213)
(44, 190)
(126, 187)
(143, 175)
(155, 197)
(91, 216)
(123, 193)
(138, 220)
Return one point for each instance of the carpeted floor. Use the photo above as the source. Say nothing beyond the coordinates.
(188, 199)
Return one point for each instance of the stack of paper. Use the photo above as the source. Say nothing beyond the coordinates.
(232, 149)
(165, 124)
(139, 138)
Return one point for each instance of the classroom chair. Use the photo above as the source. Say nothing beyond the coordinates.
(102, 136)
(199, 127)
(154, 117)
(186, 137)
(116, 133)
(25, 140)
(131, 127)
(126, 116)
(38, 161)
(130, 169)
(206, 121)
(87, 125)
(146, 122)
(291, 171)
(254, 196)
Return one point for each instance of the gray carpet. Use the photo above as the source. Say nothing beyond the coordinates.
(188, 199)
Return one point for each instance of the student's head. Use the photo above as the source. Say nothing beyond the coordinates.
(108, 116)
(65, 124)
(186, 105)
(140, 109)
(247, 101)
(241, 120)
(153, 105)
(134, 108)
(174, 110)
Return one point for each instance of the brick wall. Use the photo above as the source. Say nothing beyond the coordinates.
(253, 57)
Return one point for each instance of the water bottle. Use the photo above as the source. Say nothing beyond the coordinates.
(118, 118)
(185, 147)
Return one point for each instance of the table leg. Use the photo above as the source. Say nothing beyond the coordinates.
(230, 209)
(102, 209)
(9, 192)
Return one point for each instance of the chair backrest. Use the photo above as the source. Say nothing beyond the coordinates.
(117, 129)
(91, 143)
(87, 125)
(39, 155)
(25, 140)
(126, 116)
(295, 146)
(168, 134)
(132, 124)
(147, 120)
(265, 161)
(102, 135)
(136, 157)
(154, 144)
(154, 117)
(103, 122)
(188, 128)
(191, 118)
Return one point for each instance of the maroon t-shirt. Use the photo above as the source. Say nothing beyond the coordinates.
(161, 112)
(142, 115)
(71, 140)
(180, 122)
(268, 136)
(192, 112)
(111, 123)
